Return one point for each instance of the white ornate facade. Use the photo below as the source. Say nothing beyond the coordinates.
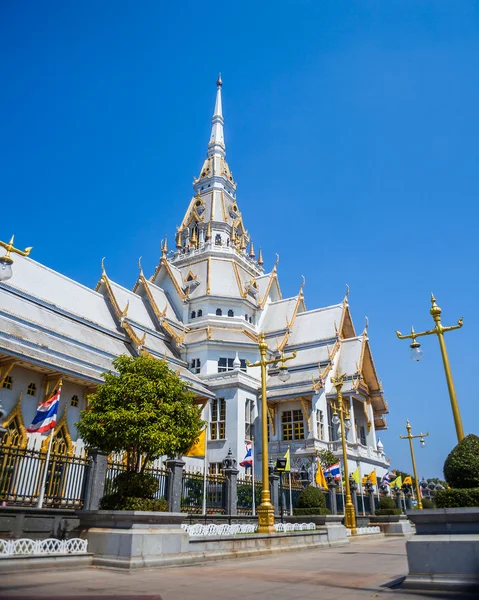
(202, 310)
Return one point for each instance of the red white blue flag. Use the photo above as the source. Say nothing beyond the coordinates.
(333, 471)
(386, 480)
(46, 416)
(248, 459)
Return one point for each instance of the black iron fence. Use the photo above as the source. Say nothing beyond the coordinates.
(192, 493)
(21, 477)
(245, 495)
(117, 465)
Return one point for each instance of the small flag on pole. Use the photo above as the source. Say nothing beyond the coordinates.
(386, 480)
(333, 471)
(46, 417)
(408, 480)
(288, 461)
(356, 476)
(247, 462)
(320, 478)
(372, 477)
(198, 449)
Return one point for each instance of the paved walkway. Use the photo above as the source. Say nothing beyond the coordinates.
(359, 570)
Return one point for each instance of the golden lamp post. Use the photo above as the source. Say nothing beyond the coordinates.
(417, 354)
(266, 509)
(6, 260)
(422, 443)
(338, 406)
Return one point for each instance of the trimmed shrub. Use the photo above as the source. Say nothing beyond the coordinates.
(136, 485)
(427, 503)
(311, 511)
(311, 497)
(461, 468)
(457, 498)
(387, 503)
(118, 502)
(385, 512)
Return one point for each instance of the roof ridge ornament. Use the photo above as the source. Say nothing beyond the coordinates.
(140, 267)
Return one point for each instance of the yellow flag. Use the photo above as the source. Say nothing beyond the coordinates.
(320, 478)
(356, 476)
(364, 480)
(408, 480)
(199, 447)
(397, 482)
(372, 477)
(288, 461)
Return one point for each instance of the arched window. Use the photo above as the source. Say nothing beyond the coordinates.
(231, 313)
(7, 384)
(251, 319)
(74, 400)
(246, 317)
(193, 314)
(219, 312)
(200, 313)
(32, 389)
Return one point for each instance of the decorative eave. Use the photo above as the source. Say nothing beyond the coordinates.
(164, 262)
(346, 320)
(16, 413)
(273, 277)
(190, 216)
(290, 323)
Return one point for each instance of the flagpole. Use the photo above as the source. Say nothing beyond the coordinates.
(290, 491)
(362, 489)
(204, 479)
(45, 470)
(252, 475)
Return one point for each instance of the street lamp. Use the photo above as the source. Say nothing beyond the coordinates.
(416, 354)
(423, 444)
(341, 415)
(6, 260)
(265, 509)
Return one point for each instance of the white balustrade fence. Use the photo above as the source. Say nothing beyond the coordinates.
(29, 547)
(200, 530)
(365, 530)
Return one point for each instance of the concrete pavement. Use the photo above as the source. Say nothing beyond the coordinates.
(360, 570)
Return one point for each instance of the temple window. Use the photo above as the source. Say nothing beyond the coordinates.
(200, 313)
(8, 382)
(231, 313)
(193, 314)
(320, 424)
(246, 317)
(332, 429)
(292, 425)
(218, 419)
(195, 365)
(32, 389)
(226, 364)
(362, 435)
(219, 312)
(74, 400)
(215, 468)
(218, 239)
(251, 319)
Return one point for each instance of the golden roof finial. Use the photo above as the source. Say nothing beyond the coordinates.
(302, 285)
(346, 294)
(178, 239)
(103, 271)
(366, 325)
(164, 248)
(208, 231)
(140, 267)
(276, 263)
(9, 248)
(243, 243)
(194, 239)
(260, 257)
(251, 250)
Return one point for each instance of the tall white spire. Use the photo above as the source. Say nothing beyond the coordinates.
(217, 139)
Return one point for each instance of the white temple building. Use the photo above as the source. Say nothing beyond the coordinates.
(202, 310)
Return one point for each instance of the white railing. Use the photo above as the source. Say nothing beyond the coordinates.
(199, 530)
(365, 530)
(25, 546)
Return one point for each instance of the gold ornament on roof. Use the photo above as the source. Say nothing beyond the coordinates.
(10, 248)
(260, 257)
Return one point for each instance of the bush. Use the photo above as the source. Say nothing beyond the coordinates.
(136, 485)
(316, 510)
(311, 497)
(118, 502)
(457, 498)
(461, 468)
(384, 512)
(387, 503)
(427, 503)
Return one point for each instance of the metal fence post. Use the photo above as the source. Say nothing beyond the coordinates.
(231, 491)
(95, 479)
(274, 484)
(175, 482)
(332, 496)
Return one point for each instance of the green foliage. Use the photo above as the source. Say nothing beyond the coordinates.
(461, 468)
(245, 496)
(316, 510)
(426, 503)
(436, 480)
(311, 497)
(145, 410)
(326, 458)
(387, 512)
(118, 502)
(457, 498)
(137, 485)
(387, 503)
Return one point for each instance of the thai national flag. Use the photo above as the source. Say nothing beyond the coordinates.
(386, 480)
(248, 459)
(333, 471)
(46, 416)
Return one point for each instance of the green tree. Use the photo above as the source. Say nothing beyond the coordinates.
(326, 458)
(145, 410)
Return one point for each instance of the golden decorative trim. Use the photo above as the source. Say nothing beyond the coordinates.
(225, 218)
(208, 275)
(164, 261)
(306, 408)
(251, 335)
(243, 294)
(16, 413)
(5, 371)
(272, 416)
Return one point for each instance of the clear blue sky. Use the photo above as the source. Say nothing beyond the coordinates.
(351, 128)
